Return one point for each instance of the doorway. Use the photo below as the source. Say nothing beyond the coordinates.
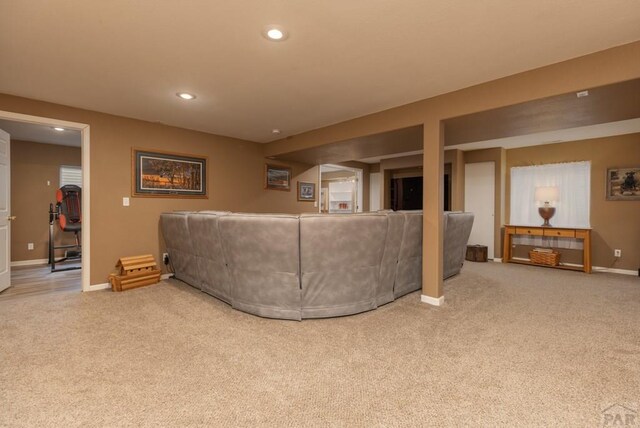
(42, 123)
(479, 198)
(340, 189)
(405, 188)
(406, 193)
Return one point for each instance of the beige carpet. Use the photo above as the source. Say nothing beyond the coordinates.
(513, 346)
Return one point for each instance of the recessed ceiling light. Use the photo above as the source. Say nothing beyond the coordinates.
(186, 96)
(57, 128)
(275, 33)
(275, 131)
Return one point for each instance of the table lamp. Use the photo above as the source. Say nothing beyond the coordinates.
(545, 197)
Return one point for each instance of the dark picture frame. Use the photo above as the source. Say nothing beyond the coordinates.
(162, 174)
(306, 191)
(277, 177)
(623, 184)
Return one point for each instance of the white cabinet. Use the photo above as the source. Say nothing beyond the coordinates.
(341, 197)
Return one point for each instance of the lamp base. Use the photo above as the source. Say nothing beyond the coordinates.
(546, 213)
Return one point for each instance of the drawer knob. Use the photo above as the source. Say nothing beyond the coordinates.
(528, 231)
(558, 233)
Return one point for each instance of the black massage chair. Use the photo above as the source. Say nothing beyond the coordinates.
(68, 213)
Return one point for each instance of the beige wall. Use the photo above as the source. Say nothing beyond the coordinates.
(32, 165)
(236, 178)
(615, 223)
(278, 201)
(455, 158)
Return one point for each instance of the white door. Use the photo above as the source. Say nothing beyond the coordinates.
(5, 206)
(479, 198)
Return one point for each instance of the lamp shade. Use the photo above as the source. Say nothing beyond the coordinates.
(547, 194)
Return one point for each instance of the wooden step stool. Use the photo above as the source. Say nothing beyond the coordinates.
(135, 271)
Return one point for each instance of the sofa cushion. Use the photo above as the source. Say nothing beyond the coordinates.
(409, 273)
(389, 264)
(457, 229)
(340, 258)
(262, 253)
(175, 231)
(213, 276)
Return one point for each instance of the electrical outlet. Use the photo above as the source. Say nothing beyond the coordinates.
(30, 246)
(617, 253)
(165, 258)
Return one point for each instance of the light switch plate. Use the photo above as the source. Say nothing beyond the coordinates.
(30, 246)
(125, 201)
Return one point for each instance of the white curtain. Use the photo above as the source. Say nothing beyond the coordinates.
(573, 181)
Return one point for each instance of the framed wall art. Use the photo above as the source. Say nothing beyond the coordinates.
(168, 175)
(306, 191)
(623, 184)
(277, 177)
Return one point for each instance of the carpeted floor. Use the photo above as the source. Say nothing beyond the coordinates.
(512, 346)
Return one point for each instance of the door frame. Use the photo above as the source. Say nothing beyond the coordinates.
(5, 213)
(86, 189)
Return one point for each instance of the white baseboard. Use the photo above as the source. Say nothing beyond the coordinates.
(612, 270)
(105, 285)
(600, 269)
(497, 260)
(30, 262)
(432, 300)
(96, 287)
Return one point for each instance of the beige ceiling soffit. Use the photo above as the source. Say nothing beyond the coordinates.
(630, 126)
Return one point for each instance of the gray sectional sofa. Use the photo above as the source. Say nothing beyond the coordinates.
(309, 265)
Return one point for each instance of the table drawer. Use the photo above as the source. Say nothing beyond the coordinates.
(528, 231)
(564, 233)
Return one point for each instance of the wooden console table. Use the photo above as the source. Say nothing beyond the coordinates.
(562, 232)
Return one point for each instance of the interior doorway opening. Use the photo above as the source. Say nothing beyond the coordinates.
(37, 272)
(405, 189)
(341, 189)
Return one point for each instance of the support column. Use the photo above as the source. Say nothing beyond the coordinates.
(433, 206)
(457, 189)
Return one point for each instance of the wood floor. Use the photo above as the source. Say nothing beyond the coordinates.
(27, 281)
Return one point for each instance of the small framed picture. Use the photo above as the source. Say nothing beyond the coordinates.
(306, 191)
(623, 184)
(277, 177)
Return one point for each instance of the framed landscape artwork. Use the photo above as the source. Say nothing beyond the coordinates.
(623, 184)
(168, 175)
(306, 191)
(277, 177)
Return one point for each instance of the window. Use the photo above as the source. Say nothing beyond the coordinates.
(70, 175)
(573, 181)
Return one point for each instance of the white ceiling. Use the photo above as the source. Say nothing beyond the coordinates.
(40, 133)
(343, 59)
